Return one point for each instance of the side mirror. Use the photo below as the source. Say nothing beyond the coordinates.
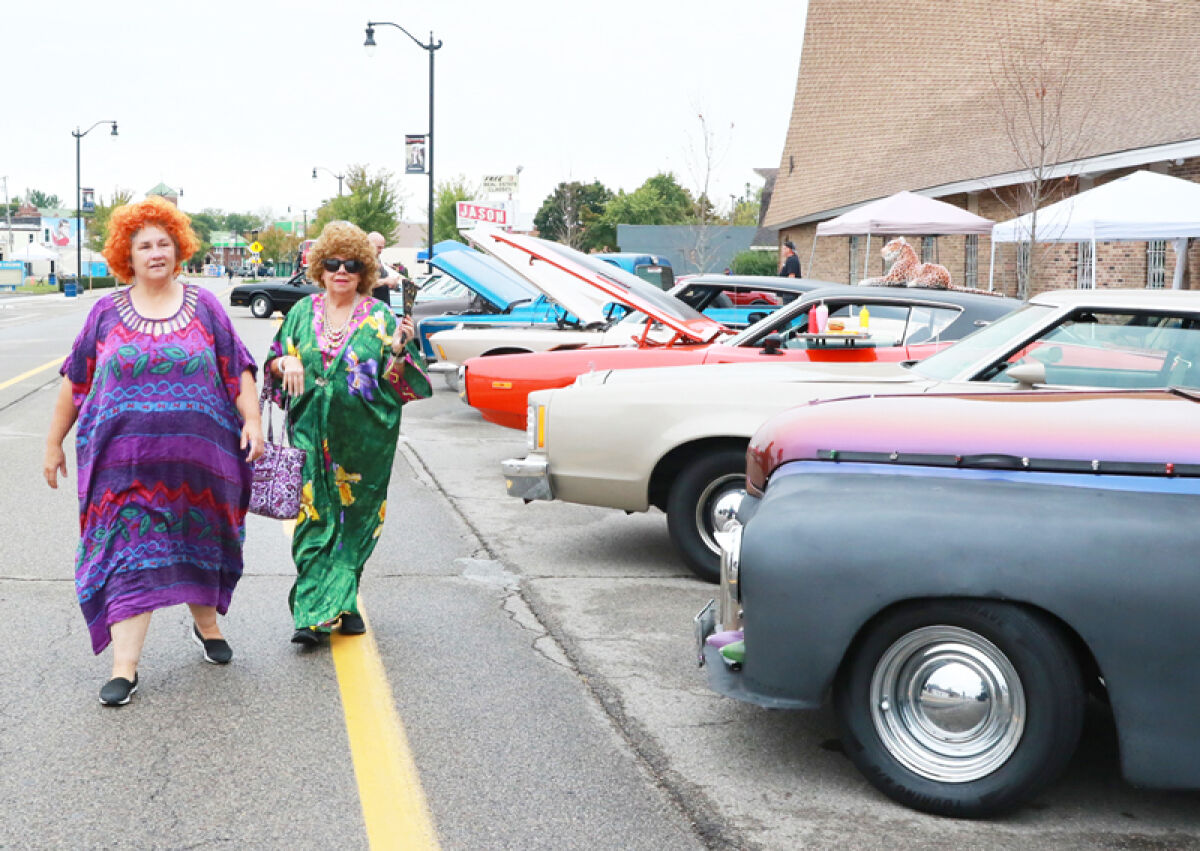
(771, 344)
(1027, 374)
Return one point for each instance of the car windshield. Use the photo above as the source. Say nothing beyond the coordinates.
(950, 362)
(1123, 349)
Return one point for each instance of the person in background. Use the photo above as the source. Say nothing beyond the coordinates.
(791, 263)
(348, 366)
(389, 279)
(162, 392)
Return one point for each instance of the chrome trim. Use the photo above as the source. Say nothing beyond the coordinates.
(731, 558)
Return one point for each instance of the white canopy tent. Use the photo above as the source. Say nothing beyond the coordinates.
(1139, 207)
(902, 214)
(32, 252)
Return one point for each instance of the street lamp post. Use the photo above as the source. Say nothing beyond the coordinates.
(8, 217)
(369, 44)
(338, 176)
(79, 197)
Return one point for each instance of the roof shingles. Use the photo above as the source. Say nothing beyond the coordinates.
(882, 107)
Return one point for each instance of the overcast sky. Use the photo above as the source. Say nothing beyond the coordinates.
(235, 102)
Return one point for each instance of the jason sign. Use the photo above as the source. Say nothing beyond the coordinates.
(471, 213)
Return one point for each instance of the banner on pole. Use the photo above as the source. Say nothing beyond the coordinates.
(88, 205)
(414, 154)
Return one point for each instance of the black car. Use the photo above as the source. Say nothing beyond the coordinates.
(266, 296)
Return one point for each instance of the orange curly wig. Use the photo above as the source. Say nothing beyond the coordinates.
(128, 219)
(346, 241)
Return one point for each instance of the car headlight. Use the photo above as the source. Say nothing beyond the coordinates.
(535, 426)
(462, 383)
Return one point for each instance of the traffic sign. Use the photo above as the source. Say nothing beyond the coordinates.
(256, 247)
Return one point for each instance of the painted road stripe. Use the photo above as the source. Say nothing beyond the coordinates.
(389, 788)
(31, 372)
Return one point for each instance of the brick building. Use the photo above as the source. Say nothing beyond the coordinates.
(882, 106)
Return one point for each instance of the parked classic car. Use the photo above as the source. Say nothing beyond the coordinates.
(601, 304)
(267, 296)
(499, 295)
(953, 573)
(902, 324)
(675, 438)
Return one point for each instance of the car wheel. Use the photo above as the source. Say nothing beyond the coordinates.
(759, 302)
(261, 307)
(961, 709)
(704, 493)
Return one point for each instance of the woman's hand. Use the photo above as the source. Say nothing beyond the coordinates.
(56, 462)
(404, 332)
(252, 437)
(292, 378)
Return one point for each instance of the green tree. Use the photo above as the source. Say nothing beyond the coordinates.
(374, 202)
(755, 263)
(97, 226)
(574, 215)
(41, 199)
(279, 246)
(243, 223)
(658, 201)
(445, 210)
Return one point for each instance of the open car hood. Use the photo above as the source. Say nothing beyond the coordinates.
(584, 286)
(483, 274)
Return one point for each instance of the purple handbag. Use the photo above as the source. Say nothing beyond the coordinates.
(279, 471)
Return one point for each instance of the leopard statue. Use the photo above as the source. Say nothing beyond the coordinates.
(907, 271)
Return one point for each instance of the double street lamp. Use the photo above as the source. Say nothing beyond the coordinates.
(369, 44)
(79, 199)
(338, 176)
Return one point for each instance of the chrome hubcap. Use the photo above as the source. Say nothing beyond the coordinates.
(718, 503)
(947, 704)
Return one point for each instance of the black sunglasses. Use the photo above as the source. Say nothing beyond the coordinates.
(332, 264)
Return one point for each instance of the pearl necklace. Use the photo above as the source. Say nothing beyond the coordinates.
(334, 336)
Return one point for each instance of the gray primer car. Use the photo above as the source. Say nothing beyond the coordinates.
(955, 571)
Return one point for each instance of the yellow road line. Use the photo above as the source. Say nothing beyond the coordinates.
(31, 372)
(389, 788)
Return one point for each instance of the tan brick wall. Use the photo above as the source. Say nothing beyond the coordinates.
(1118, 264)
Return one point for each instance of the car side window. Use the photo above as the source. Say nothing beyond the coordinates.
(1120, 350)
(926, 324)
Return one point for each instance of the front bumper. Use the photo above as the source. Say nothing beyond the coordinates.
(527, 478)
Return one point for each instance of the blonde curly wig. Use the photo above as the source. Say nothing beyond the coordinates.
(345, 241)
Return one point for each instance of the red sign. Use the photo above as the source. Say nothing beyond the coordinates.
(469, 211)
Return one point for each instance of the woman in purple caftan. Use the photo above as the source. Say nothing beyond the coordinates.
(162, 394)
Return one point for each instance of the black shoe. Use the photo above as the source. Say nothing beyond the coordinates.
(352, 624)
(117, 691)
(216, 650)
(307, 637)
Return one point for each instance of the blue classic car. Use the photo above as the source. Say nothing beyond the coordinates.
(500, 295)
(954, 573)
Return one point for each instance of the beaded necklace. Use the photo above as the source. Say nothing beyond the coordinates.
(332, 338)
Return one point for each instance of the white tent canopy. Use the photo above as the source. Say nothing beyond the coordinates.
(1139, 207)
(902, 214)
(32, 252)
(905, 214)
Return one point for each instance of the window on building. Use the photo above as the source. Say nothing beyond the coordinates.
(929, 249)
(854, 277)
(1156, 264)
(971, 261)
(1083, 272)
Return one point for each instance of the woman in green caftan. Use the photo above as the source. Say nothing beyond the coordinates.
(348, 366)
